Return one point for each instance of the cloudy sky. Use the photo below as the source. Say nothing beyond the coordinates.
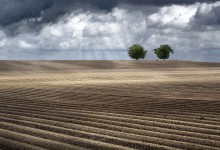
(104, 29)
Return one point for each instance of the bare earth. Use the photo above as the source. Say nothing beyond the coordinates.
(61, 105)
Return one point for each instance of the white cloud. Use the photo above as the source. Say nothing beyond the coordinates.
(2, 39)
(175, 15)
(64, 45)
(56, 32)
(93, 31)
(25, 45)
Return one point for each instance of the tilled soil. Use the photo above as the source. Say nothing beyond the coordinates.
(109, 105)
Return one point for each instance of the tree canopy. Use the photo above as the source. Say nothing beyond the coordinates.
(137, 52)
(163, 52)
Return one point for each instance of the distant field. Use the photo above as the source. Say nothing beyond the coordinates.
(61, 105)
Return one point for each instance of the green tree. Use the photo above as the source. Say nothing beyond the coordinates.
(163, 52)
(137, 52)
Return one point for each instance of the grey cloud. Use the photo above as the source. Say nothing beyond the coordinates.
(165, 2)
(12, 11)
(20, 16)
(206, 16)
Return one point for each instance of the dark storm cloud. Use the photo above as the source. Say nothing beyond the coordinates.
(165, 2)
(13, 11)
(206, 16)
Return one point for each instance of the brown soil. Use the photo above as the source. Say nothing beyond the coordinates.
(109, 105)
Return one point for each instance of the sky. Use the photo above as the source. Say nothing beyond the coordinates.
(105, 29)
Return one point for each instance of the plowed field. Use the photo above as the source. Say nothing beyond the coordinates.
(61, 105)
